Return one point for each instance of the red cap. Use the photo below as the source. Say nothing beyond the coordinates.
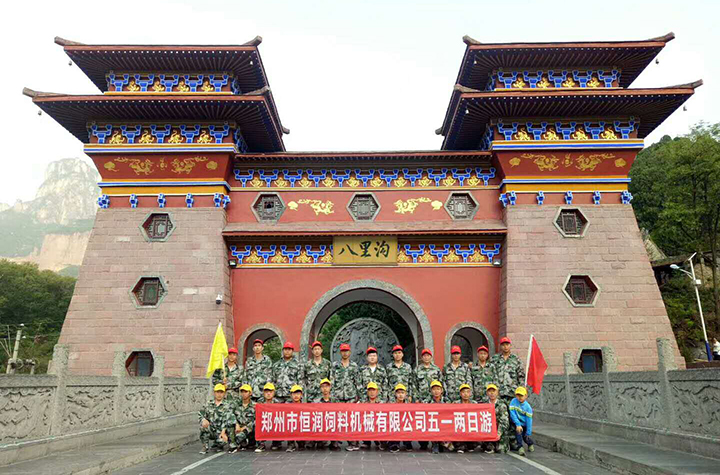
(483, 348)
(426, 351)
(258, 341)
(397, 348)
(505, 340)
(371, 349)
(288, 345)
(316, 343)
(344, 347)
(233, 350)
(455, 349)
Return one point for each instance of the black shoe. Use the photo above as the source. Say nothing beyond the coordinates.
(436, 450)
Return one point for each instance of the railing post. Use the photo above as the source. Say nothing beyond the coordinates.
(568, 370)
(61, 354)
(120, 373)
(609, 364)
(159, 373)
(187, 374)
(666, 362)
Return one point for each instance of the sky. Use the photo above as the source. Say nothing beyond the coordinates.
(346, 75)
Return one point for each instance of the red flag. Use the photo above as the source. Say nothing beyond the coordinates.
(536, 366)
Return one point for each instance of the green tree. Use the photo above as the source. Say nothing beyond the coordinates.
(676, 190)
(37, 299)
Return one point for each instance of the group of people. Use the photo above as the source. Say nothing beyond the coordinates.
(229, 419)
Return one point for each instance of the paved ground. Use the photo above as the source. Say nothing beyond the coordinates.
(189, 461)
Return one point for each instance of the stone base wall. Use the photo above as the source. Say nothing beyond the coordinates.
(628, 314)
(103, 317)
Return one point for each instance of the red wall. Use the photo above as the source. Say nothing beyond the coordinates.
(284, 296)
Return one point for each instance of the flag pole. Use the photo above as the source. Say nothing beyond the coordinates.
(223, 364)
(527, 364)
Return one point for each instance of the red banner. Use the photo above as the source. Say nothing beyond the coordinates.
(401, 422)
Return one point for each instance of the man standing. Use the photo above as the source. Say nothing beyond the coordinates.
(315, 370)
(216, 419)
(400, 398)
(425, 373)
(465, 398)
(296, 397)
(456, 374)
(483, 373)
(373, 372)
(286, 373)
(502, 421)
(509, 370)
(345, 375)
(325, 398)
(509, 374)
(373, 396)
(232, 379)
(436, 391)
(269, 398)
(245, 421)
(400, 372)
(258, 370)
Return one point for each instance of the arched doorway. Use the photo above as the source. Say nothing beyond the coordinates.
(271, 335)
(376, 292)
(469, 336)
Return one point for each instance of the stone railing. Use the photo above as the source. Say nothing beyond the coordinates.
(662, 401)
(34, 407)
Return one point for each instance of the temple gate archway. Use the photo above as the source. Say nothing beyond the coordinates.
(369, 290)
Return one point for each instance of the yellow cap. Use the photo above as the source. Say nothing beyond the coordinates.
(325, 381)
(464, 386)
(219, 387)
(269, 386)
(295, 389)
(400, 386)
(246, 387)
(521, 390)
(436, 383)
(491, 386)
(372, 385)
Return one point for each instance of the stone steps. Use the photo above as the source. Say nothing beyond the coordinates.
(621, 455)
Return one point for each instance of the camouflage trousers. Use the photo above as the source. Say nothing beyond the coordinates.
(509, 438)
(211, 436)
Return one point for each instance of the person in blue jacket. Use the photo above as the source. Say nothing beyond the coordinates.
(521, 414)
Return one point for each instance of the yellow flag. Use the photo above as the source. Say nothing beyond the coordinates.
(218, 353)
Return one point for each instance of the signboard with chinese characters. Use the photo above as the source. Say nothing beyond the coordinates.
(346, 421)
(365, 250)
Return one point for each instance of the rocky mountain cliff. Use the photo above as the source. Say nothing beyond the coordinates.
(52, 230)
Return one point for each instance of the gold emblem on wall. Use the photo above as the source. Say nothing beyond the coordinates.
(549, 162)
(620, 163)
(212, 165)
(110, 166)
(409, 206)
(186, 165)
(140, 167)
(318, 206)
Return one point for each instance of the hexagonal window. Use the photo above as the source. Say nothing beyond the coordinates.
(363, 207)
(571, 222)
(157, 227)
(268, 207)
(461, 206)
(148, 292)
(581, 290)
(140, 363)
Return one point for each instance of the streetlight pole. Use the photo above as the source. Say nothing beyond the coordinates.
(697, 296)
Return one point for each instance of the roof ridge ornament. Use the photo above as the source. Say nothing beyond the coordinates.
(665, 38)
(470, 41)
(689, 85)
(254, 42)
(63, 42)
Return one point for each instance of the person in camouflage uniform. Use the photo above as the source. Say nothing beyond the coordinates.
(465, 398)
(425, 373)
(315, 370)
(437, 397)
(287, 372)
(344, 374)
(232, 378)
(372, 396)
(373, 372)
(325, 398)
(400, 372)
(217, 419)
(456, 373)
(509, 374)
(296, 397)
(483, 373)
(268, 398)
(258, 370)
(401, 397)
(244, 421)
(502, 421)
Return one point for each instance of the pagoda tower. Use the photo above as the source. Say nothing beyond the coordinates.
(564, 127)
